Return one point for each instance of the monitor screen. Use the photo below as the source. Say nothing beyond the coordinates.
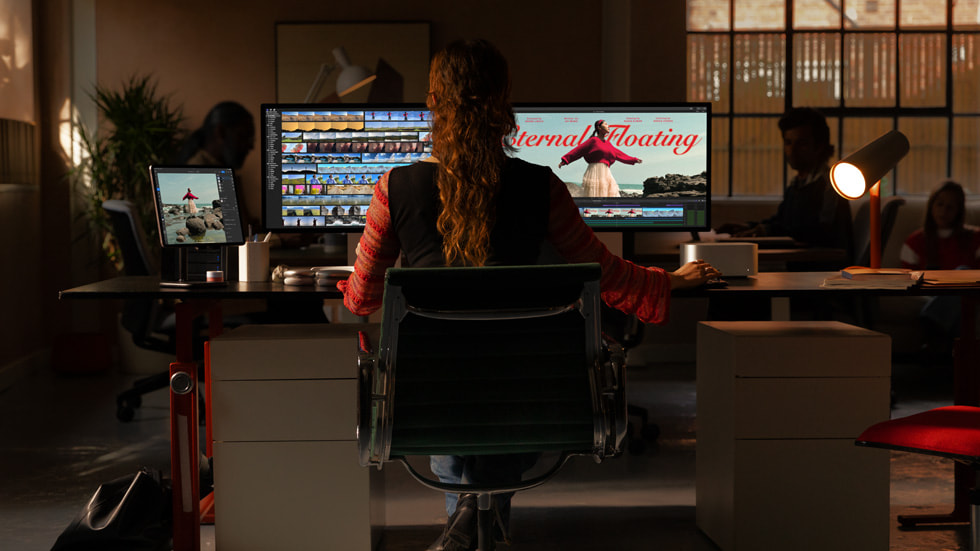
(320, 162)
(196, 206)
(651, 172)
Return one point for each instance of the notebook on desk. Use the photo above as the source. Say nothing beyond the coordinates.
(768, 242)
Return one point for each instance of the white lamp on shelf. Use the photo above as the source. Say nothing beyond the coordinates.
(861, 172)
(351, 76)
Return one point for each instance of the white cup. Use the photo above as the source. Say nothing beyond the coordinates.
(253, 261)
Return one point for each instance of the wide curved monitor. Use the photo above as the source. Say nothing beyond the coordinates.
(320, 161)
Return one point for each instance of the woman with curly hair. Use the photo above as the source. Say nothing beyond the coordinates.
(471, 204)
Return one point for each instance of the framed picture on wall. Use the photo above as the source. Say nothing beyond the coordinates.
(352, 62)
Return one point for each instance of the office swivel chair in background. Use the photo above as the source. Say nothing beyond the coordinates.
(627, 330)
(952, 432)
(491, 360)
(150, 322)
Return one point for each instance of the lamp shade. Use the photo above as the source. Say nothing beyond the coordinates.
(351, 76)
(853, 176)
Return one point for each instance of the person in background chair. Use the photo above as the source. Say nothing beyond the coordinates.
(944, 242)
(224, 139)
(811, 211)
(473, 205)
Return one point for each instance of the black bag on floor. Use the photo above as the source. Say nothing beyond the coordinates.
(132, 513)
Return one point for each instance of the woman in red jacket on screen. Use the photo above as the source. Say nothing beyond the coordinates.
(470, 204)
(598, 180)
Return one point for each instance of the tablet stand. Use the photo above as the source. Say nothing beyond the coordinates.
(188, 266)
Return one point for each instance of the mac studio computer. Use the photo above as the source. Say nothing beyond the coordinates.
(198, 217)
(320, 162)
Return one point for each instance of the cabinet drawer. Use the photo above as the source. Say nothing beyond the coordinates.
(273, 352)
(251, 411)
(295, 496)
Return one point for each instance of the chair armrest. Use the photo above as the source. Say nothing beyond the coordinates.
(364, 344)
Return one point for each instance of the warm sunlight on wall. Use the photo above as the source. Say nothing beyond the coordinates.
(16, 61)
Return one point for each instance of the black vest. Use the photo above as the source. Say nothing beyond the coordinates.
(522, 214)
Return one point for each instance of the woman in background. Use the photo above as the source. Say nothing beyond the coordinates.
(944, 242)
(598, 180)
(472, 205)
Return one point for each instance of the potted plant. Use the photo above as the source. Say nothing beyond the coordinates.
(137, 128)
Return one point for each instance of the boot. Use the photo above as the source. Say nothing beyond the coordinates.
(460, 533)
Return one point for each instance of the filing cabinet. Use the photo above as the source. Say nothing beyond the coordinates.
(778, 407)
(286, 471)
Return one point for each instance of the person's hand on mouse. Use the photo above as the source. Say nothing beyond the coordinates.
(693, 274)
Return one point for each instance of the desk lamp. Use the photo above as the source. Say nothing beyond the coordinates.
(351, 76)
(850, 178)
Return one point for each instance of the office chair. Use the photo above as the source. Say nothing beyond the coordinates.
(491, 360)
(627, 330)
(150, 323)
(952, 432)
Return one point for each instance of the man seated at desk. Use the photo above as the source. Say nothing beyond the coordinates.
(811, 212)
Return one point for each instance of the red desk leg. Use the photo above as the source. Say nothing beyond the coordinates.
(184, 456)
(966, 354)
(184, 437)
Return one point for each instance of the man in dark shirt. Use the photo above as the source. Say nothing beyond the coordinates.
(811, 211)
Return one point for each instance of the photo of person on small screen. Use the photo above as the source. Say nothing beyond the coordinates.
(598, 180)
(189, 197)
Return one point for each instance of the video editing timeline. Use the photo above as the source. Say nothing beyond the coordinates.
(329, 161)
(669, 216)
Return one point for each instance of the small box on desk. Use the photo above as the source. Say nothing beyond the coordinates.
(778, 407)
(732, 259)
(284, 412)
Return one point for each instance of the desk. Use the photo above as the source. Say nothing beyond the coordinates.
(193, 301)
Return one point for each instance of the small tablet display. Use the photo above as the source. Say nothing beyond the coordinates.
(196, 206)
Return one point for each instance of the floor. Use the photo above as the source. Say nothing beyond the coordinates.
(59, 440)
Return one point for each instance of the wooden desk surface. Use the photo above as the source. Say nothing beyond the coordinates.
(149, 287)
(790, 284)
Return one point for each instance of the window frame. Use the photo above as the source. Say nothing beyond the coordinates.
(840, 113)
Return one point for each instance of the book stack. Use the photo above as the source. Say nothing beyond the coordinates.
(938, 279)
(874, 278)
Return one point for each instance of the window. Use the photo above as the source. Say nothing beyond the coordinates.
(869, 65)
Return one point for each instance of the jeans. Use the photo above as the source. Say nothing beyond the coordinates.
(482, 470)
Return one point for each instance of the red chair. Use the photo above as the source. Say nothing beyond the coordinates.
(952, 432)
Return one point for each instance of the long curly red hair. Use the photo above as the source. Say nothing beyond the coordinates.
(469, 96)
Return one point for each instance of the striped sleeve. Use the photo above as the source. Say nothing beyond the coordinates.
(376, 252)
(644, 292)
